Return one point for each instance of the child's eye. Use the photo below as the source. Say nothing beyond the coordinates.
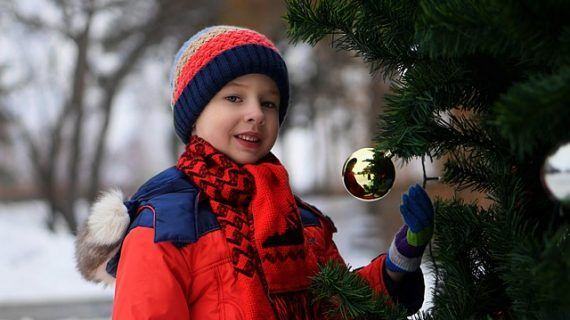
(269, 104)
(233, 99)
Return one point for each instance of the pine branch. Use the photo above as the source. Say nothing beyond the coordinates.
(544, 99)
(487, 83)
(311, 21)
(536, 273)
(345, 294)
(381, 32)
(469, 288)
(412, 123)
(467, 172)
(524, 31)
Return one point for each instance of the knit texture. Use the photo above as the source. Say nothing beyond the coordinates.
(407, 248)
(402, 256)
(257, 212)
(212, 58)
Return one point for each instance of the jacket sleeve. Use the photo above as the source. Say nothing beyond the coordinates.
(152, 279)
(408, 292)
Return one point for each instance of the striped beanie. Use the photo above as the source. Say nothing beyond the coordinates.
(212, 58)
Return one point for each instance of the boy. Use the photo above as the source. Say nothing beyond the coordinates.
(220, 235)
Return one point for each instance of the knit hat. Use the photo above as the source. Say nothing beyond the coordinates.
(212, 58)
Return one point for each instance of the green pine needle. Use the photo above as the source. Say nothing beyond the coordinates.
(484, 84)
(348, 296)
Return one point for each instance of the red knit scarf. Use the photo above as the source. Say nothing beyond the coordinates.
(257, 212)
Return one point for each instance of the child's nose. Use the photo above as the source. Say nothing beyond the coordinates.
(255, 113)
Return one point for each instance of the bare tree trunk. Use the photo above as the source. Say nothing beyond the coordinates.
(173, 18)
(152, 33)
(47, 169)
(106, 106)
(77, 101)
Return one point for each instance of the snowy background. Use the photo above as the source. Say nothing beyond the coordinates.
(37, 268)
(335, 100)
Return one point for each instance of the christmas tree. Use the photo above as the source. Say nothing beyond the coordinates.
(484, 86)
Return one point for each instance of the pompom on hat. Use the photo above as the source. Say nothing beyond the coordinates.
(212, 58)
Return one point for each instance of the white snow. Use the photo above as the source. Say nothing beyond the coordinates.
(36, 265)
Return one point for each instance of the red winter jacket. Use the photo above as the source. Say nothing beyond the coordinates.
(193, 278)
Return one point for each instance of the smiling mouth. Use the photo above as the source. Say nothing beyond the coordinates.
(248, 142)
(248, 138)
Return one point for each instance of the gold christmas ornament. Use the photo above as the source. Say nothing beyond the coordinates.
(367, 180)
(555, 173)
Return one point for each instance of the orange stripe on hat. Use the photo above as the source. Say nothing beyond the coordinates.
(212, 48)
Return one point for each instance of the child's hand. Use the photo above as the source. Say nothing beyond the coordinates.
(405, 254)
(417, 212)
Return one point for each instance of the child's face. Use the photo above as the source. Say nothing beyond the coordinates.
(242, 119)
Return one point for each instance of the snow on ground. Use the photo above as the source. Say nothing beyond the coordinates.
(37, 266)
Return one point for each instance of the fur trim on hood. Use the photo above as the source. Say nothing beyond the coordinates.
(100, 237)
